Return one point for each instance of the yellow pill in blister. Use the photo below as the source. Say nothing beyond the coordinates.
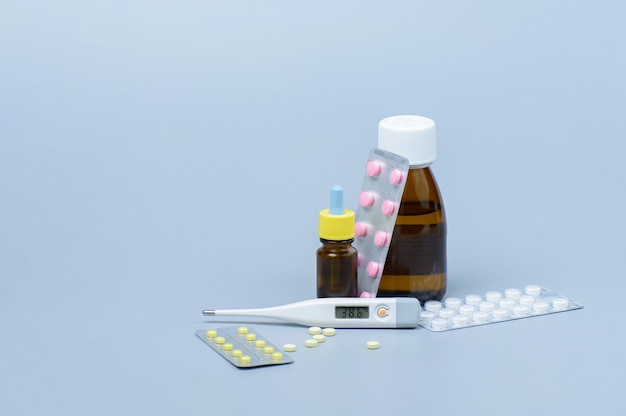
(246, 359)
(259, 343)
(250, 337)
(242, 330)
(227, 347)
(268, 350)
(220, 340)
(237, 353)
(211, 333)
(277, 356)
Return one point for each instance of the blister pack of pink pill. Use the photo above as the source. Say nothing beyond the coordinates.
(494, 306)
(375, 217)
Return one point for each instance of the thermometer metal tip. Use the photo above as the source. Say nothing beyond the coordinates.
(208, 312)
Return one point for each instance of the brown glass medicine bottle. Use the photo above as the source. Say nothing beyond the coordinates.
(336, 259)
(416, 260)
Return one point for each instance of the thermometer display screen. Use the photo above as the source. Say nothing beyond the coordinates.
(352, 312)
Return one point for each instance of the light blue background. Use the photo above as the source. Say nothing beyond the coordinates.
(161, 157)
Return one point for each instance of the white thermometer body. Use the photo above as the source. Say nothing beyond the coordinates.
(339, 312)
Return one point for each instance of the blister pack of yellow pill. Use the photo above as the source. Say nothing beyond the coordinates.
(243, 347)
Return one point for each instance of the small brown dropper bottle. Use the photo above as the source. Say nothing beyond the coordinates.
(416, 260)
(336, 259)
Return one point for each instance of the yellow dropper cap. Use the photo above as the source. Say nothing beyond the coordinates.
(336, 223)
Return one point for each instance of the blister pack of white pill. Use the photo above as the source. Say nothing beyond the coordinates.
(375, 217)
(243, 347)
(474, 310)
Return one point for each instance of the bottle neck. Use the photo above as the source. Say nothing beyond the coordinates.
(337, 243)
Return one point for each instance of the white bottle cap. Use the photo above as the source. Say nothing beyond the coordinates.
(413, 137)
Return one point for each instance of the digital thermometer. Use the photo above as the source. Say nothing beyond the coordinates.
(339, 312)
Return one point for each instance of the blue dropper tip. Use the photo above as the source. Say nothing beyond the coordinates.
(336, 200)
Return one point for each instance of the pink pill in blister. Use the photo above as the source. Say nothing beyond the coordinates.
(388, 208)
(365, 295)
(373, 268)
(373, 168)
(366, 199)
(361, 229)
(396, 176)
(380, 239)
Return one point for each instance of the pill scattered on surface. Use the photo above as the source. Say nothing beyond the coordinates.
(319, 337)
(314, 330)
(372, 345)
(310, 343)
(211, 333)
(242, 330)
(290, 347)
(250, 337)
(329, 332)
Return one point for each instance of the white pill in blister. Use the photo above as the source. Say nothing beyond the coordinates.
(432, 305)
(446, 313)
(453, 303)
(560, 304)
(532, 290)
(541, 307)
(486, 306)
(426, 317)
(521, 310)
(512, 293)
(500, 314)
(467, 309)
(506, 303)
(439, 323)
(480, 317)
(526, 300)
(460, 320)
(493, 296)
(473, 299)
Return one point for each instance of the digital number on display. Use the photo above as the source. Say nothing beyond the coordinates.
(352, 312)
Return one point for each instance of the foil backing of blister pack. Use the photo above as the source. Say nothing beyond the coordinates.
(243, 347)
(375, 216)
(493, 307)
